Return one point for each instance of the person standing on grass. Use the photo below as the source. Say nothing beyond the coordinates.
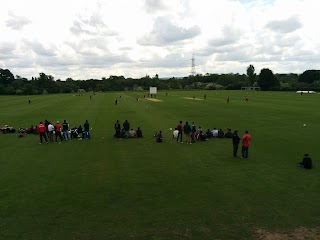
(228, 99)
(245, 144)
(58, 131)
(117, 127)
(187, 132)
(42, 132)
(65, 130)
(46, 124)
(126, 126)
(179, 127)
(235, 143)
(86, 131)
(51, 132)
(193, 132)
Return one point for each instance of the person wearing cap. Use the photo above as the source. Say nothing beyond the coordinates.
(306, 162)
(58, 131)
(245, 144)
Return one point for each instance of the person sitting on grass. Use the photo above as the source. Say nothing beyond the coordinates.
(203, 137)
(306, 162)
(139, 133)
(74, 132)
(220, 133)
(229, 133)
(209, 133)
(159, 137)
(214, 132)
(132, 133)
(123, 133)
(80, 131)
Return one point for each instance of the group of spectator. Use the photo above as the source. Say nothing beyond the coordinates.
(194, 134)
(52, 132)
(126, 131)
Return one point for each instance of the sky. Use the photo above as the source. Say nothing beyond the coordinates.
(85, 39)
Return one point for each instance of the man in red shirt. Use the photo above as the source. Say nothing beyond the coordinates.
(42, 132)
(58, 131)
(245, 144)
(179, 127)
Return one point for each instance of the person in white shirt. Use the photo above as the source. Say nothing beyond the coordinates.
(214, 132)
(175, 133)
(51, 132)
(132, 133)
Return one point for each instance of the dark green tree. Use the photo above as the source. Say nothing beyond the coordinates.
(309, 76)
(6, 77)
(267, 80)
(251, 75)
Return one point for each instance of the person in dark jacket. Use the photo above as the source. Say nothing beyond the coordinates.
(139, 133)
(117, 127)
(306, 162)
(86, 130)
(235, 143)
(126, 126)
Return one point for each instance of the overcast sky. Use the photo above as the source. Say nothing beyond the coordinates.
(86, 39)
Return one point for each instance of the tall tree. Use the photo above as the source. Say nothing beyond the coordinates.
(251, 74)
(267, 80)
(6, 77)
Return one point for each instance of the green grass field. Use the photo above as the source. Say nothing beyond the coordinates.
(138, 189)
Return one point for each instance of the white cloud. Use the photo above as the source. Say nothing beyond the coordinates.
(92, 39)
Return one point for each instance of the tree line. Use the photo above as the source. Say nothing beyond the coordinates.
(266, 80)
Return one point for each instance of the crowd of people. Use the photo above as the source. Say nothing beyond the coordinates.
(51, 133)
(194, 134)
(126, 131)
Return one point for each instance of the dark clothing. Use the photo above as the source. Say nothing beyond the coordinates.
(43, 134)
(245, 152)
(65, 126)
(209, 134)
(58, 134)
(235, 139)
(306, 162)
(117, 127)
(126, 126)
(187, 129)
(159, 137)
(179, 127)
(86, 127)
(220, 134)
(193, 129)
(235, 149)
(203, 137)
(139, 133)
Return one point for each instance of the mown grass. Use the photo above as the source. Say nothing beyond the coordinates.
(138, 189)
